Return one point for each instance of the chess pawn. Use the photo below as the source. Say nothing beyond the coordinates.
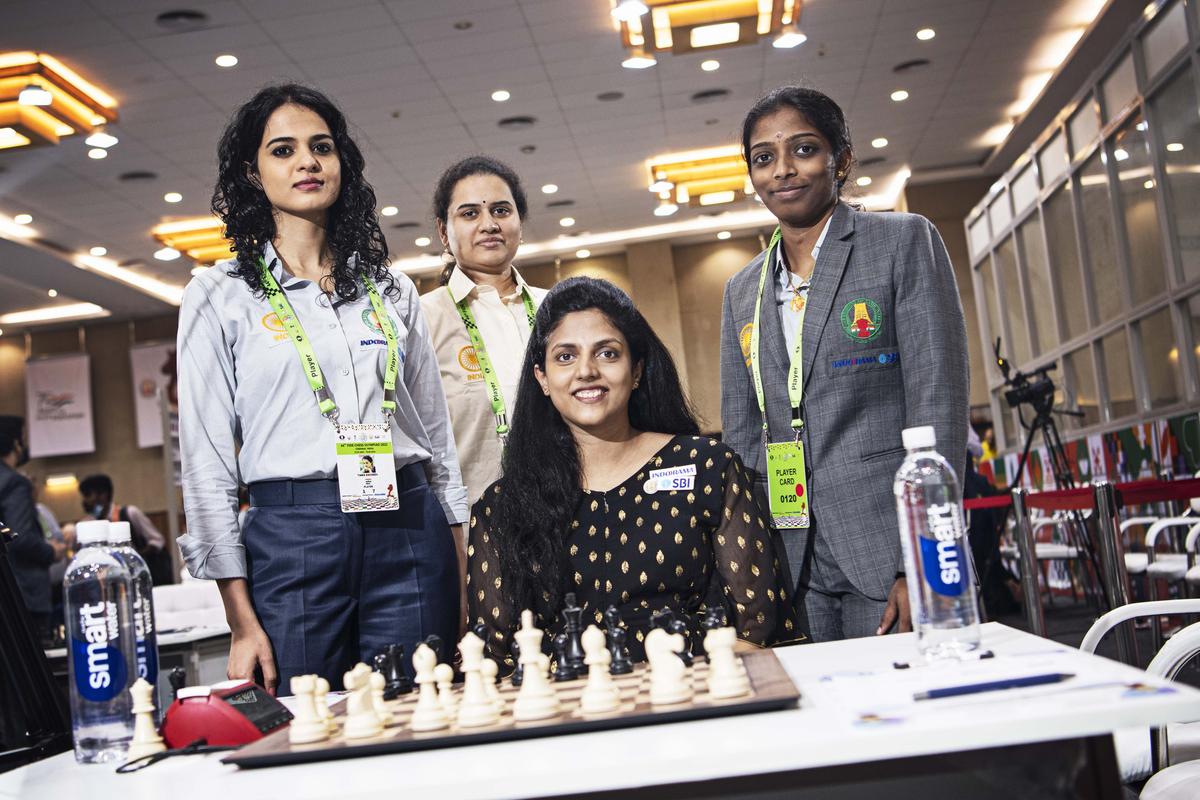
(444, 675)
(377, 685)
(669, 681)
(601, 694)
(146, 740)
(489, 670)
(307, 726)
(726, 676)
(536, 699)
(321, 700)
(428, 715)
(361, 720)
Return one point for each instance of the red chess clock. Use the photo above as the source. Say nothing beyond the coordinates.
(226, 714)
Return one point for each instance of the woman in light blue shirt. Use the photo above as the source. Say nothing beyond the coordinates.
(296, 358)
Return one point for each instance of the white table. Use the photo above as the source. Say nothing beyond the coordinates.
(814, 745)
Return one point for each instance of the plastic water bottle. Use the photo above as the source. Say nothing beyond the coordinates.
(120, 541)
(101, 654)
(937, 555)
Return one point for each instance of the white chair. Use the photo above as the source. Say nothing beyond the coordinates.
(1179, 741)
(195, 604)
(1136, 561)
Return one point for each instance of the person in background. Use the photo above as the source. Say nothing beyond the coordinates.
(30, 554)
(53, 532)
(481, 315)
(306, 341)
(844, 332)
(96, 493)
(608, 491)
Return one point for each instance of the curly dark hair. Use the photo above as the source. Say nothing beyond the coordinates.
(474, 165)
(817, 107)
(352, 227)
(541, 478)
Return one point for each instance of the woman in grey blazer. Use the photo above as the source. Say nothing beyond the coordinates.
(853, 325)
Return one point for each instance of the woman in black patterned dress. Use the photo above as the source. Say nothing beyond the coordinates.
(608, 492)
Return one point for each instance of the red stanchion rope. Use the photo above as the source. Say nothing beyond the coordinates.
(1134, 493)
(1139, 493)
(996, 501)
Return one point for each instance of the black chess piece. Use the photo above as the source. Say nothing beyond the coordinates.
(714, 617)
(397, 680)
(480, 630)
(621, 663)
(518, 668)
(573, 628)
(663, 618)
(176, 678)
(684, 630)
(434, 643)
(562, 667)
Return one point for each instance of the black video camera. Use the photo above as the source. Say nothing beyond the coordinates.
(1036, 388)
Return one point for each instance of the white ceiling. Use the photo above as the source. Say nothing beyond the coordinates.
(417, 92)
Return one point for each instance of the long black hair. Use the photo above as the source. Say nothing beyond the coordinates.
(465, 168)
(818, 108)
(541, 483)
(352, 227)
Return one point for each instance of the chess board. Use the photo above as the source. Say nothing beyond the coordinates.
(772, 690)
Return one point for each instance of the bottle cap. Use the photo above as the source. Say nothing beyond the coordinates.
(119, 533)
(92, 531)
(919, 437)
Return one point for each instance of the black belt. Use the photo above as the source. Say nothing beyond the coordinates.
(324, 491)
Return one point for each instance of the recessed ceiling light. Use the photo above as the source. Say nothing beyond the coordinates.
(99, 251)
(1120, 154)
(53, 293)
(789, 39)
(925, 34)
(865, 180)
(582, 253)
(549, 188)
(665, 207)
(723, 235)
(711, 65)
(878, 143)
(172, 197)
(97, 153)
(500, 95)
(226, 60)
(1148, 184)
(628, 10)
(899, 95)
(35, 95)
(422, 241)
(101, 138)
(167, 254)
(389, 211)
(566, 222)
(23, 219)
(1174, 147)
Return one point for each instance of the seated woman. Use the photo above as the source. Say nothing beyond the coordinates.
(607, 491)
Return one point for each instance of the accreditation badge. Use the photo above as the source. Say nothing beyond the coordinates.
(366, 468)
(787, 485)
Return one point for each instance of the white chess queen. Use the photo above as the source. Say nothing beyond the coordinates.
(604, 447)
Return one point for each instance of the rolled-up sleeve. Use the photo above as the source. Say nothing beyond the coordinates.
(423, 378)
(212, 547)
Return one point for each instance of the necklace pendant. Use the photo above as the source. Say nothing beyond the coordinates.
(798, 303)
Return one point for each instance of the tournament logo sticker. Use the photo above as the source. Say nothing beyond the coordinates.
(273, 324)
(470, 363)
(370, 319)
(744, 340)
(862, 319)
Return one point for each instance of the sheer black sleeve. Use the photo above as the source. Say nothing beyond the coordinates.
(485, 601)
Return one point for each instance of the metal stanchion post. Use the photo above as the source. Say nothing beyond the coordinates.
(1112, 563)
(1027, 551)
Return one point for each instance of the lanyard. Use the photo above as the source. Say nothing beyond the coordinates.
(796, 371)
(308, 358)
(485, 362)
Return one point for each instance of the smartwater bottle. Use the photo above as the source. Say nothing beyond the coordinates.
(101, 644)
(120, 542)
(937, 555)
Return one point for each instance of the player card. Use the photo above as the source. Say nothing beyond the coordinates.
(366, 468)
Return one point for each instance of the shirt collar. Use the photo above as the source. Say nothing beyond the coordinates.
(461, 286)
(780, 265)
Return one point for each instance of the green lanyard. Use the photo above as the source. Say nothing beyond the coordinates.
(796, 372)
(485, 362)
(308, 358)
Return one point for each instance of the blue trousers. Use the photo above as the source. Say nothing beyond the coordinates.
(332, 589)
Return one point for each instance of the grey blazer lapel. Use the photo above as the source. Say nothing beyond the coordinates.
(771, 334)
(827, 277)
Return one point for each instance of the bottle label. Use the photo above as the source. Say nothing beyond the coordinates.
(101, 673)
(147, 650)
(942, 563)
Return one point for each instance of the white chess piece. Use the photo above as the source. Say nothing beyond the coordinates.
(321, 701)
(726, 676)
(537, 698)
(378, 682)
(428, 715)
(477, 708)
(444, 675)
(361, 720)
(146, 740)
(601, 695)
(488, 670)
(669, 680)
(306, 726)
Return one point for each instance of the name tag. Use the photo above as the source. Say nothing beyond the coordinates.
(366, 468)
(787, 485)
(671, 480)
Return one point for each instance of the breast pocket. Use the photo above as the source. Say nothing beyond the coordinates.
(859, 362)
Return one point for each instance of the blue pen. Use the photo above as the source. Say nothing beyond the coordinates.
(994, 686)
